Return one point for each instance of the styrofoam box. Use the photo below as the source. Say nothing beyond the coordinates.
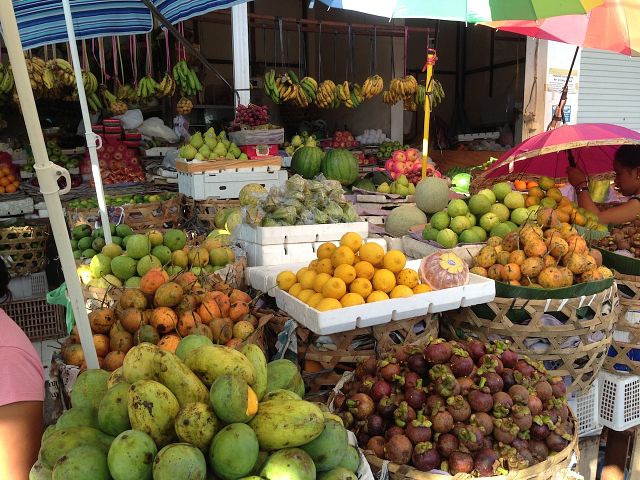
(201, 186)
(19, 206)
(329, 232)
(416, 249)
(619, 400)
(586, 409)
(29, 286)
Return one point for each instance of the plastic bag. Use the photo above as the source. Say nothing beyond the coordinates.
(320, 216)
(350, 213)
(59, 297)
(131, 120)
(296, 184)
(254, 215)
(287, 215)
(334, 211)
(155, 128)
(306, 217)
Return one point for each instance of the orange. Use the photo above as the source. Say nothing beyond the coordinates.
(301, 272)
(295, 289)
(351, 299)
(532, 184)
(361, 286)
(384, 280)
(394, 261)
(4, 181)
(346, 273)
(422, 288)
(408, 277)
(328, 304)
(314, 300)
(320, 280)
(377, 296)
(285, 280)
(11, 178)
(4, 170)
(401, 291)
(351, 240)
(325, 250)
(372, 253)
(520, 185)
(307, 278)
(313, 265)
(364, 270)
(334, 288)
(342, 256)
(1, 189)
(10, 188)
(324, 266)
(305, 295)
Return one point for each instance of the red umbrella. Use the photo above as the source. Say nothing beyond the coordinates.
(591, 145)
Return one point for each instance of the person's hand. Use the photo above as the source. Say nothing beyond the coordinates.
(576, 177)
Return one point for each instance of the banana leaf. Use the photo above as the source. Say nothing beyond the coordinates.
(620, 263)
(578, 290)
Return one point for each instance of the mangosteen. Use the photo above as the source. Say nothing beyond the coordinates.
(389, 370)
(483, 421)
(376, 425)
(338, 401)
(442, 421)
(557, 443)
(527, 457)
(504, 430)
(480, 401)
(380, 389)
(458, 408)
(476, 349)
(460, 462)
(386, 407)
(446, 444)
(398, 449)
(544, 391)
(434, 401)
(425, 457)
(486, 462)
(492, 381)
(509, 359)
(539, 431)
(519, 394)
(508, 378)
(412, 380)
(502, 404)
(415, 397)
(393, 430)
(490, 363)
(367, 367)
(403, 352)
(559, 407)
(361, 406)
(461, 363)
(362, 437)
(376, 445)
(404, 414)
(521, 416)
(438, 352)
(419, 430)
(438, 371)
(366, 384)
(534, 404)
(418, 364)
(466, 385)
(447, 385)
(347, 419)
(525, 369)
(471, 438)
(520, 443)
(539, 450)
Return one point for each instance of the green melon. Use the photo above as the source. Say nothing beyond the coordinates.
(432, 194)
(340, 164)
(307, 161)
(401, 219)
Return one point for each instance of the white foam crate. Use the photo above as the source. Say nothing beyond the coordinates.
(329, 232)
(619, 400)
(201, 186)
(586, 409)
(29, 286)
(17, 206)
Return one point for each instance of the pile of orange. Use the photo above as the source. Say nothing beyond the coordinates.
(8, 181)
(353, 273)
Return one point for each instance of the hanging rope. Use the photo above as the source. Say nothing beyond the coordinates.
(282, 65)
(264, 46)
(299, 50)
(320, 76)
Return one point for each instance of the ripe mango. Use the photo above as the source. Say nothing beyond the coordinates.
(139, 363)
(295, 462)
(328, 448)
(284, 374)
(89, 388)
(197, 424)
(256, 356)
(177, 377)
(234, 451)
(152, 409)
(87, 461)
(211, 361)
(281, 394)
(61, 442)
(178, 461)
(131, 456)
(113, 413)
(232, 399)
(287, 423)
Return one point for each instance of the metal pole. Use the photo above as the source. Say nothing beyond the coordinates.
(558, 115)
(240, 32)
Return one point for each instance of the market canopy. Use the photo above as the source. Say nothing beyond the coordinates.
(42, 22)
(472, 11)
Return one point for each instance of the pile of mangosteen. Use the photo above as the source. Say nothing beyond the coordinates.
(456, 406)
(623, 239)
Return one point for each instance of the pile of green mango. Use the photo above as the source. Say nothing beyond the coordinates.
(119, 200)
(205, 411)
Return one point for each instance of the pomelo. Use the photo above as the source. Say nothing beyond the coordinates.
(432, 194)
(180, 258)
(520, 215)
(124, 230)
(112, 250)
(430, 233)
(218, 257)
(155, 237)
(512, 226)
(100, 265)
(479, 204)
(459, 224)
(123, 267)
(481, 232)
(472, 218)
(447, 238)
(501, 211)
(138, 246)
(440, 220)
(489, 220)
(500, 230)
(132, 282)
(489, 194)
(501, 190)
(146, 263)
(470, 236)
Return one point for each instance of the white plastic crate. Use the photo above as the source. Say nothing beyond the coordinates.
(619, 400)
(585, 408)
(201, 186)
(329, 232)
(30, 286)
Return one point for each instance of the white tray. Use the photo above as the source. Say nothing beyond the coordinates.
(329, 232)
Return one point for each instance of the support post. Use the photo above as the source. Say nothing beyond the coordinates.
(241, 67)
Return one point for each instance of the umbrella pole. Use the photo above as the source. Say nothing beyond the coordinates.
(431, 61)
(48, 174)
(92, 139)
(558, 115)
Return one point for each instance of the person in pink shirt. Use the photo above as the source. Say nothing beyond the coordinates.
(21, 395)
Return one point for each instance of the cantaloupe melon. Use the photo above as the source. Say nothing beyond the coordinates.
(401, 219)
(432, 194)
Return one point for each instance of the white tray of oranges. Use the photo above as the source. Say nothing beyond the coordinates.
(358, 285)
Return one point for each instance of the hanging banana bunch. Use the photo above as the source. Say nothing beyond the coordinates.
(147, 88)
(127, 93)
(116, 106)
(435, 96)
(90, 82)
(186, 79)
(62, 70)
(166, 87)
(6, 80)
(372, 86)
(390, 97)
(327, 96)
(270, 87)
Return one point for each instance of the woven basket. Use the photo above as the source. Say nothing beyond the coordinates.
(503, 318)
(23, 249)
(621, 352)
(481, 181)
(347, 349)
(555, 467)
(205, 210)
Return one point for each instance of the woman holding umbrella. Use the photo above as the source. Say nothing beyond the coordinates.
(626, 166)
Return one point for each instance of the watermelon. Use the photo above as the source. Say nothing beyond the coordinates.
(340, 164)
(365, 184)
(307, 161)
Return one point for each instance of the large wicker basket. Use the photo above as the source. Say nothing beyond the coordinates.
(204, 211)
(624, 354)
(23, 248)
(577, 347)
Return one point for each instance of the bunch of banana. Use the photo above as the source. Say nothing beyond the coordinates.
(436, 95)
(167, 87)
(36, 69)
(344, 94)
(117, 107)
(90, 82)
(94, 102)
(62, 70)
(327, 95)
(6, 79)
(184, 106)
(372, 86)
(147, 88)
(409, 103)
(404, 87)
(421, 95)
(271, 88)
(127, 93)
(186, 79)
(309, 86)
(390, 97)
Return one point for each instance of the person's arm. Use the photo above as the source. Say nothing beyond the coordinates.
(626, 212)
(21, 426)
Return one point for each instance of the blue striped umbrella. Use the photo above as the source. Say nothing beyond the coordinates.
(41, 22)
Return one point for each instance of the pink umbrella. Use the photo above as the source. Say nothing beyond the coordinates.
(591, 145)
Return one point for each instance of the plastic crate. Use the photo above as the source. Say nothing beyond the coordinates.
(585, 408)
(619, 400)
(39, 320)
(30, 286)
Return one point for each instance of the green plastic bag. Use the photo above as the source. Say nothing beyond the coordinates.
(59, 297)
